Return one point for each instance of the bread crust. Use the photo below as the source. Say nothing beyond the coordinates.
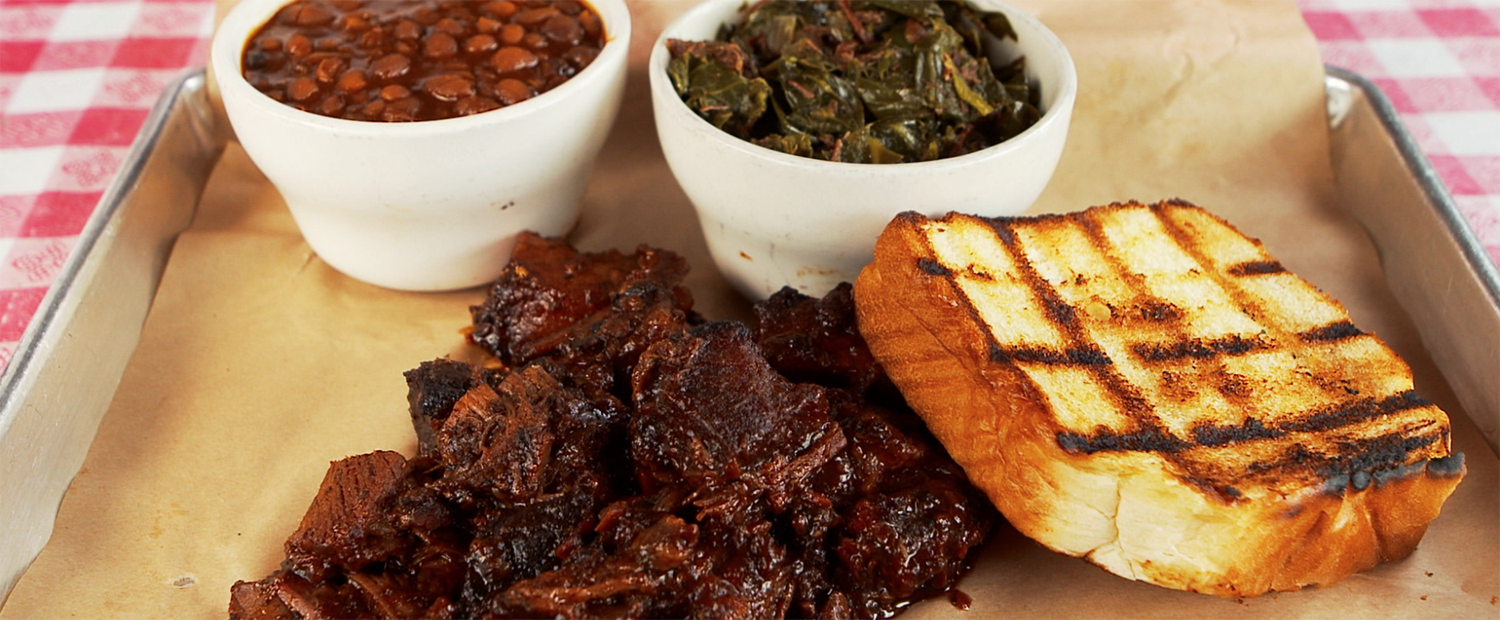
(1135, 513)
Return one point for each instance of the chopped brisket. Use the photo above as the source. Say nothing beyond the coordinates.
(626, 459)
(762, 433)
(347, 528)
(817, 340)
(593, 314)
(432, 390)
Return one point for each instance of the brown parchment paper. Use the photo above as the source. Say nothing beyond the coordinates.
(259, 364)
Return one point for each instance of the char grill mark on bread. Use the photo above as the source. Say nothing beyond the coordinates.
(1145, 386)
(1079, 352)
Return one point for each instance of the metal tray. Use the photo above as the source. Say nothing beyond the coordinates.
(1433, 263)
(70, 361)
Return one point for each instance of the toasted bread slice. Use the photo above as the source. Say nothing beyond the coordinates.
(1146, 387)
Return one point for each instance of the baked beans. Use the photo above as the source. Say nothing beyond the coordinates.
(383, 60)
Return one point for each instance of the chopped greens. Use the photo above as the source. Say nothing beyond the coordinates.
(858, 81)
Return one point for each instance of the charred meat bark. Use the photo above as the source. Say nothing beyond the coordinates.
(620, 457)
(593, 313)
(432, 390)
(816, 340)
(548, 286)
(712, 414)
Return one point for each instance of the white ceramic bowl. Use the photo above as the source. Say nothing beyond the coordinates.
(429, 205)
(773, 219)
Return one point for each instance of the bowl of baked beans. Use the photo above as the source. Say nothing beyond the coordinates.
(413, 140)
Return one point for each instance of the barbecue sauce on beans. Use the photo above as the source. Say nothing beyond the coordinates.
(383, 60)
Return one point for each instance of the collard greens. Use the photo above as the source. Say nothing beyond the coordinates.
(859, 81)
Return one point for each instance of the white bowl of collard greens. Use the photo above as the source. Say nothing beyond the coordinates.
(800, 129)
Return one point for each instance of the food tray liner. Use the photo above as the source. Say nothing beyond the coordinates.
(258, 364)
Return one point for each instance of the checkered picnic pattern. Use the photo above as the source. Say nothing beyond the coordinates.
(77, 80)
(1439, 63)
(78, 77)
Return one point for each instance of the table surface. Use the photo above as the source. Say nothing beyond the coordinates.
(77, 79)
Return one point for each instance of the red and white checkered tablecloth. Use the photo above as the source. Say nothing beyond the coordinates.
(1438, 61)
(77, 79)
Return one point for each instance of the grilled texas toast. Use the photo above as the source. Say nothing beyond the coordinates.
(1146, 387)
